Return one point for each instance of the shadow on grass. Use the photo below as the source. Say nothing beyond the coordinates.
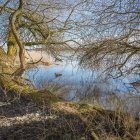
(22, 119)
(61, 127)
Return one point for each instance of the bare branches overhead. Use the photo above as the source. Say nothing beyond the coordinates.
(116, 39)
(103, 28)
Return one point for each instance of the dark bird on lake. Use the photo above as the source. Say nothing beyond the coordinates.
(58, 75)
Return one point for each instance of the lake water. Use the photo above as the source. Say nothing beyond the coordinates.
(81, 82)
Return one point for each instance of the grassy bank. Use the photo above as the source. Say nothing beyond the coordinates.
(26, 113)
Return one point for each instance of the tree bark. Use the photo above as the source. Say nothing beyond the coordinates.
(12, 45)
(16, 34)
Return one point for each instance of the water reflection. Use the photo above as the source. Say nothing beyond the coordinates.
(83, 82)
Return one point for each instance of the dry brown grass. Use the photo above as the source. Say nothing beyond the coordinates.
(23, 117)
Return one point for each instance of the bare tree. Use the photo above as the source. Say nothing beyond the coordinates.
(50, 24)
(115, 42)
(108, 30)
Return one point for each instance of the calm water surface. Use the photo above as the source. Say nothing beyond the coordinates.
(81, 80)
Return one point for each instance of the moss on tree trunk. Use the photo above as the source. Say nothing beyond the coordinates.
(12, 46)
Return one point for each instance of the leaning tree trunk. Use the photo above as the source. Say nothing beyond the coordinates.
(16, 34)
(12, 49)
(7, 59)
(12, 45)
